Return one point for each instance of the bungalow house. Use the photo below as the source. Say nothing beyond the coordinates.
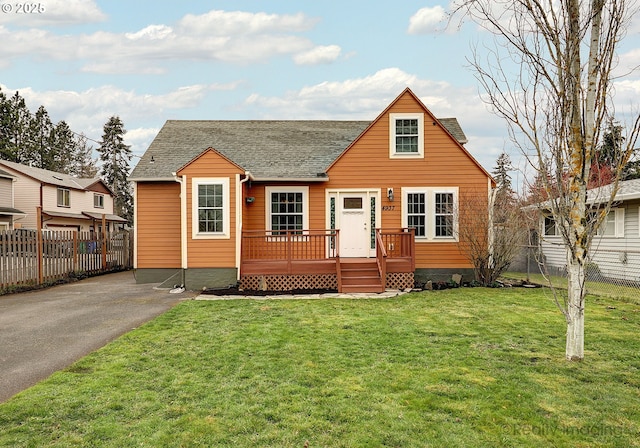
(350, 205)
(615, 251)
(66, 202)
(8, 214)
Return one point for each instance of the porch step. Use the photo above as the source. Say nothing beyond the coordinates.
(360, 275)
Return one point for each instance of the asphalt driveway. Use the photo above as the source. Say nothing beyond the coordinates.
(47, 330)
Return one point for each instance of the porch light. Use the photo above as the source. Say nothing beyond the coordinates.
(390, 194)
(250, 199)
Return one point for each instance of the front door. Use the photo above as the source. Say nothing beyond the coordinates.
(354, 225)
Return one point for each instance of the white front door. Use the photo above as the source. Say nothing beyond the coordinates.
(354, 223)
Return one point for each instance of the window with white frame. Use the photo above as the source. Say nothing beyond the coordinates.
(64, 197)
(210, 208)
(406, 132)
(431, 212)
(98, 200)
(613, 224)
(287, 209)
(416, 213)
(444, 213)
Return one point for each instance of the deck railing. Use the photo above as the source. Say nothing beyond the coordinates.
(381, 258)
(265, 252)
(290, 252)
(262, 245)
(399, 244)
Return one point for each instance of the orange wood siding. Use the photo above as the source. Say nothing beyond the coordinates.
(445, 164)
(255, 217)
(158, 224)
(211, 253)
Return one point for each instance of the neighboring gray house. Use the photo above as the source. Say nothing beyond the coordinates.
(8, 213)
(615, 252)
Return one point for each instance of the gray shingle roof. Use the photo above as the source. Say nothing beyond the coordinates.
(269, 149)
(627, 190)
(50, 177)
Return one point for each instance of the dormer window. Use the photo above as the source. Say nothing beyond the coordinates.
(406, 132)
(64, 197)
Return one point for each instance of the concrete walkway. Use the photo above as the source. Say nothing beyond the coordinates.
(47, 330)
(336, 295)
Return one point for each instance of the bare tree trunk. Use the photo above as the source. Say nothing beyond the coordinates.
(554, 101)
(574, 312)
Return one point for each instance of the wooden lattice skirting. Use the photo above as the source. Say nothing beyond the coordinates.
(288, 282)
(400, 280)
(395, 280)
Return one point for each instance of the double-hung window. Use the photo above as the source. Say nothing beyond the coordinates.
(210, 208)
(613, 224)
(287, 209)
(431, 212)
(98, 200)
(444, 214)
(64, 197)
(406, 135)
(416, 213)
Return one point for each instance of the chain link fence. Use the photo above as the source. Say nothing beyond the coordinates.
(609, 273)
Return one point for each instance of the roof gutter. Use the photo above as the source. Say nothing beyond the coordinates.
(324, 178)
(152, 179)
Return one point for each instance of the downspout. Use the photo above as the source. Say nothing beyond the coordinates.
(240, 219)
(183, 225)
(135, 227)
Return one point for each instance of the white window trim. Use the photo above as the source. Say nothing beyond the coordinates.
(63, 190)
(392, 136)
(430, 207)
(95, 196)
(618, 224)
(305, 204)
(226, 221)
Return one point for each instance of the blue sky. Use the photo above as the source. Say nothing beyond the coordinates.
(149, 61)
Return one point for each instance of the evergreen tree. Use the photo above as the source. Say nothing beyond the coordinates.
(17, 132)
(82, 163)
(40, 132)
(115, 157)
(501, 172)
(62, 149)
(5, 129)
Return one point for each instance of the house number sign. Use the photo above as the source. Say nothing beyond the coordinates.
(388, 208)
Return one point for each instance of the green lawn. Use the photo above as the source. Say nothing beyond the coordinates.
(629, 294)
(457, 368)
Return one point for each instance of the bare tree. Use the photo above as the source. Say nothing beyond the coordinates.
(491, 232)
(549, 76)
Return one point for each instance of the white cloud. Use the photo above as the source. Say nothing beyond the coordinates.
(87, 111)
(427, 20)
(51, 13)
(236, 37)
(318, 55)
(152, 32)
(224, 23)
(139, 139)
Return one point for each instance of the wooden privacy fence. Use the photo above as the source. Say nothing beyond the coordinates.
(31, 257)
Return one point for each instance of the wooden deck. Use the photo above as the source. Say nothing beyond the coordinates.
(315, 253)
